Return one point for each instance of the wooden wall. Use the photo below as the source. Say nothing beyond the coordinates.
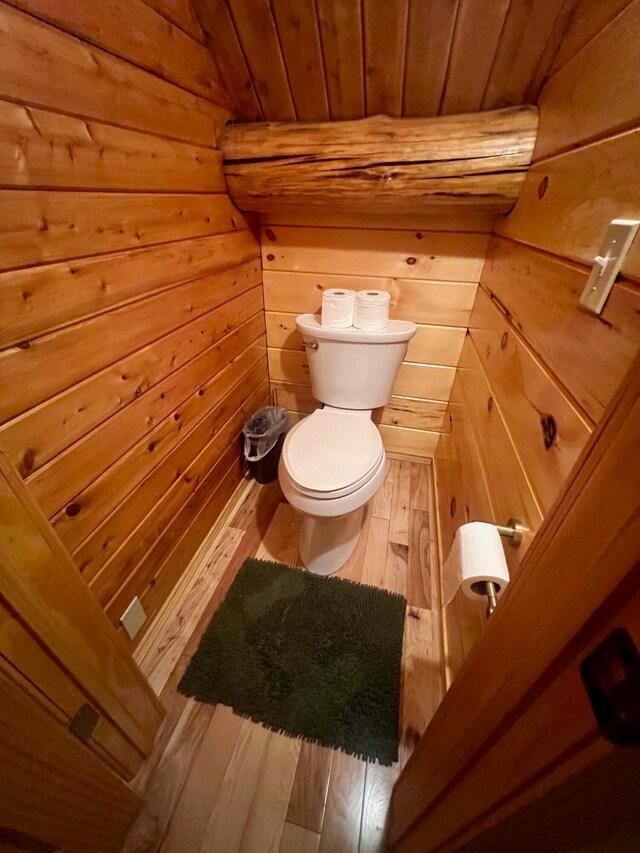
(133, 329)
(431, 267)
(532, 354)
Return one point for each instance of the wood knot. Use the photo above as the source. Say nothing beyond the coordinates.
(411, 261)
(28, 460)
(271, 257)
(504, 340)
(452, 507)
(549, 431)
(270, 234)
(543, 186)
(72, 510)
(490, 404)
(399, 549)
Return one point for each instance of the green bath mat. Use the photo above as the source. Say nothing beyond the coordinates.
(313, 657)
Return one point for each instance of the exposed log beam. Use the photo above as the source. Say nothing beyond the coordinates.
(476, 161)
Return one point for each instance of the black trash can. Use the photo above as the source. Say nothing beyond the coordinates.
(264, 435)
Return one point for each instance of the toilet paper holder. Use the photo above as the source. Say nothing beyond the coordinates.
(512, 531)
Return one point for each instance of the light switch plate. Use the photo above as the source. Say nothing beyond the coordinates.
(608, 263)
(133, 618)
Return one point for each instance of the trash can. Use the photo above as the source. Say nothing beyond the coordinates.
(264, 434)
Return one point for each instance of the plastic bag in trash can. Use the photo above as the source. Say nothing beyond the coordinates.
(261, 431)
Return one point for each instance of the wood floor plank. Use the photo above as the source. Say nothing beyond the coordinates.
(174, 704)
(353, 569)
(231, 810)
(341, 825)
(309, 791)
(420, 472)
(255, 520)
(400, 501)
(381, 503)
(379, 782)
(244, 788)
(280, 543)
(264, 828)
(168, 780)
(296, 839)
(418, 701)
(396, 568)
(250, 512)
(419, 565)
(375, 557)
(159, 664)
(189, 822)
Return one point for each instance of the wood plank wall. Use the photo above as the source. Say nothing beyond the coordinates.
(431, 268)
(532, 354)
(132, 341)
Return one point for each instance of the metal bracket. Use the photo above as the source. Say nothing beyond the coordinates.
(512, 531)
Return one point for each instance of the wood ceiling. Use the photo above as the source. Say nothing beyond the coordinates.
(316, 60)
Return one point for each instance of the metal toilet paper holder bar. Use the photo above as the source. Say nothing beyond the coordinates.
(512, 531)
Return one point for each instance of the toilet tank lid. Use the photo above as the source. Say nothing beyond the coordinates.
(396, 331)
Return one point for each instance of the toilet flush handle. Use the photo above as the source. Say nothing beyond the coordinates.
(311, 344)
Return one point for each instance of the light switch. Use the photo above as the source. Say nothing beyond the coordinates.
(608, 262)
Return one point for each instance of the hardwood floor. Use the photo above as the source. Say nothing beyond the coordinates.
(216, 783)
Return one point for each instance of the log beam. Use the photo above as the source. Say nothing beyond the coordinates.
(476, 161)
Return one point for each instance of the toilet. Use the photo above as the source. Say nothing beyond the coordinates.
(333, 461)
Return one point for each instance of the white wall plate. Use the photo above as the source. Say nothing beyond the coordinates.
(608, 263)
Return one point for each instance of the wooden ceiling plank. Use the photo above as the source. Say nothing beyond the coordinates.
(597, 93)
(385, 31)
(429, 34)
(542, 73)
(297, 26)
(224, 44)
(527, 29)
(258, 35)
(341, 31)
(592, 16)
(475, 42)
(179, 12)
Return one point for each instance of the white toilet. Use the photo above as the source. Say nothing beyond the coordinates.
(333, 461)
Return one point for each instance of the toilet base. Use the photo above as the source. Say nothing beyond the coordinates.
(327, 543)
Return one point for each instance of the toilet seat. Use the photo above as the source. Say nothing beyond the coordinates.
(332, 453)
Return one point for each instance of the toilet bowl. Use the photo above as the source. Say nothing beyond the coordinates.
(333, 461)
(332, 464)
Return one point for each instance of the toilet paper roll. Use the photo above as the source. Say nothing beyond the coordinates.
(371, 311)
(477, 555)
(337, 308)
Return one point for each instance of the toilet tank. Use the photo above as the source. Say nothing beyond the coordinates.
(351, 368)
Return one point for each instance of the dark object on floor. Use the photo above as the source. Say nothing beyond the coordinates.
(313, 657)
(264, 435)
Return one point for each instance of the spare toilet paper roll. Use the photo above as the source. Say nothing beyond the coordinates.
(477, 555)
(337, 308)
(371, 310)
